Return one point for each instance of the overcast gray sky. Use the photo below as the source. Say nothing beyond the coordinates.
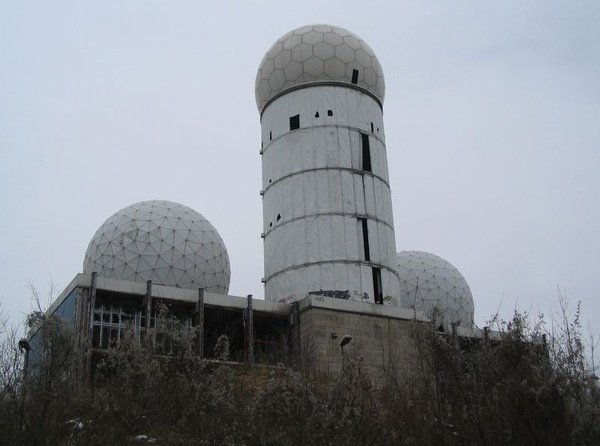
(492, 117)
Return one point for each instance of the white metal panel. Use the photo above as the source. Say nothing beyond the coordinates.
(325, 238)
(359, 194)
(348, 200)
(340, 105)
(327, 282)
(297, 196)
(287, 202)
(345, 158)
(369, 195)
(300, 237)
(354, 277)
(377, 183)
(331, 147)
(307, 152)
(310, 192)
(366, 278)
(319, 137)
(313, 277)
(350, 232)
(376, 155)
(352, 108)
(374, 241)
(338, 237)
(340, 276)
(312, 239)
(382, 240)
(334, 182)
(322, 191)
(328, 101)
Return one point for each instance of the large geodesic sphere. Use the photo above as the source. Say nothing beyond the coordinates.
(432, 285)
(167, 243)
(318, 53)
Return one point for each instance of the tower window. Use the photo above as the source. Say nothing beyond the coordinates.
(377, 289)
(294, 122)
(355, 77)
(270, 136)
(329, 112)
(366, 153)
(363, 230)
(372, 128)
(316, 114)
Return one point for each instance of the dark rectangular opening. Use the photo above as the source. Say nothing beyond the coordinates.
(270, 136)
(366, 152)
(365, 237)
(377, 291)
(372, 129)
(294, 122)
(355, 77)
(329, 112)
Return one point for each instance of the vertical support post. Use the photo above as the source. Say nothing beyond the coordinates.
(92, 303)
(199, 323)
(89, 342)
(250, 328)
(296, 350)
(148, 304)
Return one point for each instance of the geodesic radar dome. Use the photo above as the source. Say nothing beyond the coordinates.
(432, 285)
(318, 53)
(167, 243)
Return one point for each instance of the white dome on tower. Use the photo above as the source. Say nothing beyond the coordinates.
(432, 285)
(318, 53)
(165, 242)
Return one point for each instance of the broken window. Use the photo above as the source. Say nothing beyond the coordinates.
(366, 152)
(363, 234)
(377, 289)
(294, 122)
(110, 322)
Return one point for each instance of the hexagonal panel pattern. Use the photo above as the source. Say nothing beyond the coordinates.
(317, 53)
(432, 285)
(162, 241)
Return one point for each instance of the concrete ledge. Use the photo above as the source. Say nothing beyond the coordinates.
(352, 306)
(168, 293)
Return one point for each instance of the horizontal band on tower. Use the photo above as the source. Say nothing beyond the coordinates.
(335, 126)
(320, 84)
(341, 261)
(344, 169)
(330, 214)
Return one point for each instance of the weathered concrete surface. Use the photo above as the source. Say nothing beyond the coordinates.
(381, 340)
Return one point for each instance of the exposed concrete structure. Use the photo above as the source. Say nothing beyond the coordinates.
(333, 330)
(100, 311)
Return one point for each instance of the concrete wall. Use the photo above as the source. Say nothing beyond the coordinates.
(377, 341)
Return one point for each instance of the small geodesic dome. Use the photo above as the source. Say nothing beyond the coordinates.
(432, 285)
(318, 54)
(162, 241)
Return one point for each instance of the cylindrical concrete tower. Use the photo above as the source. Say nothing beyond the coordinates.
(327, 211)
